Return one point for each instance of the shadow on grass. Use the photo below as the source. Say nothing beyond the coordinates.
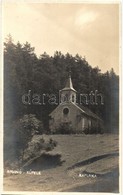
(91, 160)
(45, 161)
(108, 183)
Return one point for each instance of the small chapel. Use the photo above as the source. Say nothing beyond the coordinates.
(69, 114)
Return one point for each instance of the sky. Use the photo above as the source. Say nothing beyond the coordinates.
(91, 30)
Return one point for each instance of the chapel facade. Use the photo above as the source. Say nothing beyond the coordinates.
(71, 115)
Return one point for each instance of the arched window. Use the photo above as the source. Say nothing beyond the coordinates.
(72, 98)
(64, 98)
(67, 98)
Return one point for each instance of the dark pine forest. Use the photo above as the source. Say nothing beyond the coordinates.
(24, 71)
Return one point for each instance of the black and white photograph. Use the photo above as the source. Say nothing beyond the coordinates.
(61, 96)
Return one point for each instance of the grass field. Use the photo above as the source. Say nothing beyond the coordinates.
(79, 163)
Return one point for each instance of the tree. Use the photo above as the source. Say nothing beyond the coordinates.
(25, 128)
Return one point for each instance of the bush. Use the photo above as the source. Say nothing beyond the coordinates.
(65, 128)
(37, 147)
(23, 131)
(93, 130)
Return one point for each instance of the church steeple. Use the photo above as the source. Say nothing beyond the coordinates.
(69, 84)
(68, 93)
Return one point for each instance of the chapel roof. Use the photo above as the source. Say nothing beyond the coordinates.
(84, 110)
(88, 112)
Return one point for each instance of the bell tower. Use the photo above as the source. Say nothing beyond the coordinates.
(68, 94)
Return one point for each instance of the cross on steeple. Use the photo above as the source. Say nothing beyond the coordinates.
(69, 73)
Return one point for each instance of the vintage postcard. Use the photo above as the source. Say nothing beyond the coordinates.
(61, 78)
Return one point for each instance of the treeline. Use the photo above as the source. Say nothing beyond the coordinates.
(24, 71)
